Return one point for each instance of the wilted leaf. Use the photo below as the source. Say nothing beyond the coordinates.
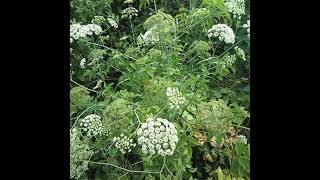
(201, 137)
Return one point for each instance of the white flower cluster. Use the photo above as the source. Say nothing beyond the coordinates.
(248, 27)
(236, 7)
(227, 61)
(80, 31)
(92, 125)
(223, 32)
(149, 38)
(129, 12)
(240, 53)
(157, 136)
(98, 20)
(79, 154)
(242, 139)
(123, 143)
(175, 97)
(82, 63)
(112, 22)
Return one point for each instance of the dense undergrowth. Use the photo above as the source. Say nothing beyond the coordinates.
(160, 89)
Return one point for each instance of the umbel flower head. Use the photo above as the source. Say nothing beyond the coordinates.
(236, 7)
(223, 32)
(242, 139)
(124, 143)
(175, 97)
(92, 125)
(149, 37)
(157, 136)
(112, 22)
(78, 31)
(129, 12)
(79, 154)
(240, 53)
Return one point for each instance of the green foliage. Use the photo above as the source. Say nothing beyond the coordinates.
(119, 114)
(123, 73)
(214, 116)
(80, 153)
(79, 99)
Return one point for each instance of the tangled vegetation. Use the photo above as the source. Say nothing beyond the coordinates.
(160, 89)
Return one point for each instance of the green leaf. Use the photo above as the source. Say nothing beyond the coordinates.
(220, 174)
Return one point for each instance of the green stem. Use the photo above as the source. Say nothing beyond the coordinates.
(155, 5)
(132, 31)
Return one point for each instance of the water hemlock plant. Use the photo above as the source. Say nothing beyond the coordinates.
(160, 89)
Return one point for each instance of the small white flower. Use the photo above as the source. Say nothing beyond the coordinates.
(151, 136)
(150, 124)
(152, 151)
(165, 139)
(150, 146)
(139, 131)
(157, 123)
(158, 146)
(144, 125)
(248, 27)
(146, 132)
(162, 128)
(154, 141)
(82, 63)
(123, 143)
(161, 152)
(157, 130)
(242, 139)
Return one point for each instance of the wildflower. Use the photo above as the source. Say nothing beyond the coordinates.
(82, 63)
(236, 7)
(98, 20)
(124, 143)
(153, 138)
(247, 25)
(175, 97)
(112, 22)
(78, 31)
(223, 32)
(240, 53)
(92, 125)
(242, 139)
(129, 12)
(150, 37)
(79, 153)
(227, 61)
